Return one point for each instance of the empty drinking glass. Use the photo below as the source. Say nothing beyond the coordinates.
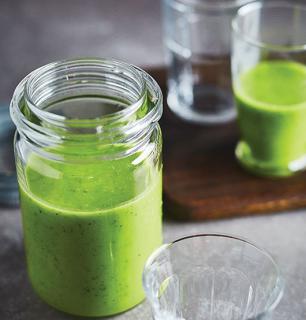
(212, 277)
(197, 41)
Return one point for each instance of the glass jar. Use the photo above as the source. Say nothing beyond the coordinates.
(88, 159)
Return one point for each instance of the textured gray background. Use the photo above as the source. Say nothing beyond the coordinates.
(35, 32)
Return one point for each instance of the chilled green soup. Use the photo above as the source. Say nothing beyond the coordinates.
(271, 102)
(89, 228)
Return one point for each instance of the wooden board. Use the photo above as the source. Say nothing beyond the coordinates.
(202, 179)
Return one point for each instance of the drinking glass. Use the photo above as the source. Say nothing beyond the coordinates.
(212, 277)
(269, 81)
(197, 43)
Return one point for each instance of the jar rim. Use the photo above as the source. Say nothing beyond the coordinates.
(146, 86)
(80, 62)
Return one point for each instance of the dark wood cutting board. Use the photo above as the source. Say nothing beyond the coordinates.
(202, 179)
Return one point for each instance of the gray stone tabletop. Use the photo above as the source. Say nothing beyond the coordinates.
(34, 32)
(281, 234)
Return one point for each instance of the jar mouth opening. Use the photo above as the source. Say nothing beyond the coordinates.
(132, 98)
(91, 78)
(98, 99)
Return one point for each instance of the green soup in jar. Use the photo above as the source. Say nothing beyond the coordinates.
(90, 180)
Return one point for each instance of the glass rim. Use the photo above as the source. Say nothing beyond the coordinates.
(257, 6)
(181, 5)
(279, 283)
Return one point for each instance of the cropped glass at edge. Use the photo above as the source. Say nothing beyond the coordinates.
(197, 44)
(273, 140)
(212, 277)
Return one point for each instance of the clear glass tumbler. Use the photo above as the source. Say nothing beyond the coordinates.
(197, 42)
(269, 81)
(212, 277)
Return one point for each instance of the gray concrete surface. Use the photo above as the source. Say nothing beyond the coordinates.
(34, 32)
(281, 234)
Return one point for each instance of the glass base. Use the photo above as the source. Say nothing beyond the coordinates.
(267, 168)
(208, 105)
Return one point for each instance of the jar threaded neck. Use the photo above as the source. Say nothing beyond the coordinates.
(87, 101)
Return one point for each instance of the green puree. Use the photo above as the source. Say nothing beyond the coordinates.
(271, 101)
(89, 228)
